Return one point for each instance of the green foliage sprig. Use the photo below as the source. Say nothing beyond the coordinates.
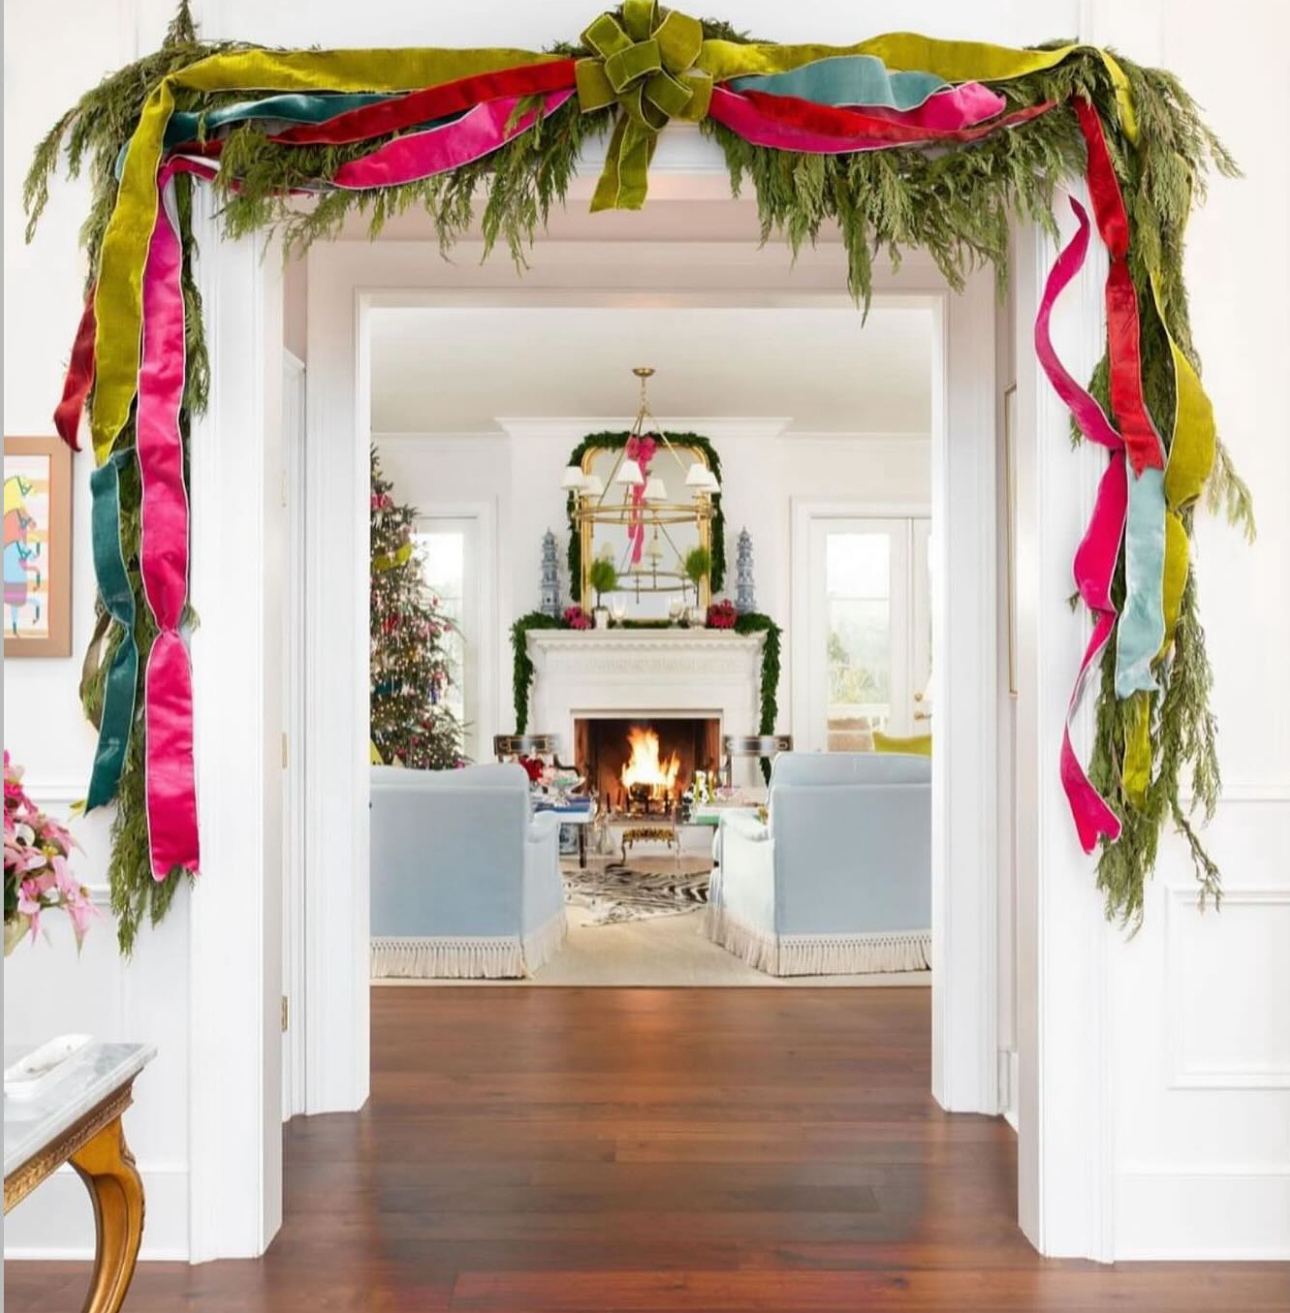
(522, 675)
(757, 622)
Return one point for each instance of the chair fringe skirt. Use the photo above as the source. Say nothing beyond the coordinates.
(464, 957)
(820, 955)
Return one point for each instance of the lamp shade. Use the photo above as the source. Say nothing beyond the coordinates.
(698, 475)
(711, 486)
(655, 491)
(629, 472)
(594, 486)
(573, 477)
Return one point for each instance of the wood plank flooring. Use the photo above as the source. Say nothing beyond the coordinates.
(714, 1151)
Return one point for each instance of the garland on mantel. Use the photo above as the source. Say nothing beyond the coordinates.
(753, 622)
(900, 141)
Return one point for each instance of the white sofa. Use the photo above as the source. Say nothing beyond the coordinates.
(465, 880)
(839, 880)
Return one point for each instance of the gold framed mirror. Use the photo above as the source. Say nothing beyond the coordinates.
(647, 529)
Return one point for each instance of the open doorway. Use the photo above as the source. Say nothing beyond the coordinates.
(644, 698)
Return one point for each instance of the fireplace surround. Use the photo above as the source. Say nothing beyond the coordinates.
(659, 675)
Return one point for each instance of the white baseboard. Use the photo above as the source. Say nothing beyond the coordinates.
(1237, 1213)
(1009, 1083)
(56, 1220)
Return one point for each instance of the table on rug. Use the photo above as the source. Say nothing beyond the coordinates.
(77, 1119)
(705, 816)
(579, 816)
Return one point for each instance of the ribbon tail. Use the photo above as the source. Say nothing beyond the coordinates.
(169, 773)
(79, 380)
(1096, 555)
(169, 777)
(624, 180)
(121, 680)
(1091, 812)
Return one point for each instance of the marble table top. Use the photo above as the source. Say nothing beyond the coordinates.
(89, 1076)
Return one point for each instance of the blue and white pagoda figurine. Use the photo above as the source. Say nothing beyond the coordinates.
(550, 604)
(745, 592)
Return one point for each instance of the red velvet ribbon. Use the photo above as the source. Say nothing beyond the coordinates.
(433, 103)
(169, 772)
(1141, 440)
(788, 123)
(79, 380)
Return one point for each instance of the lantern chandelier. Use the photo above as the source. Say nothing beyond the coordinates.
(637, 499)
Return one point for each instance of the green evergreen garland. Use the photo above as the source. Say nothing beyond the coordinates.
(955, 203)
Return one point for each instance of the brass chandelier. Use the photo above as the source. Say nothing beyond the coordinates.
(639, 502)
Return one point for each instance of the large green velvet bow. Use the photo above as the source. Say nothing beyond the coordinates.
(645, 65)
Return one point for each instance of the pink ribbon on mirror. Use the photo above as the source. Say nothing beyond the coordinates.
(641, 449)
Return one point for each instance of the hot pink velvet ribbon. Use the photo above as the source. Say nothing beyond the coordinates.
(477, 133)
(1096, 555)
(170, 785)
(750, 121)
(641, 450)
(946, 111)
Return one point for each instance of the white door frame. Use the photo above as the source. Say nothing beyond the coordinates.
(346, 281)
(293, 739)
(235, 1040)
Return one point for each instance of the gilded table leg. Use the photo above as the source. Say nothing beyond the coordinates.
(106, 1165)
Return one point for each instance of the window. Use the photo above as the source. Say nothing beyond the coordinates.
(869, 629)
(446, 548)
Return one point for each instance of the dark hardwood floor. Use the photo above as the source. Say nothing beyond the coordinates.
(717, 1151)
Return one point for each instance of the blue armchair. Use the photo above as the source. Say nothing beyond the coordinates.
(839, 880)
(465, 880)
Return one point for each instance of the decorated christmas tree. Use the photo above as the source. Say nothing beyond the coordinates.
(411, 724)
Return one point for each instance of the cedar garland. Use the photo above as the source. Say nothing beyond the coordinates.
(956, 203)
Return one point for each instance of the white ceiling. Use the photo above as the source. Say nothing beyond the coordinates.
(457, 370)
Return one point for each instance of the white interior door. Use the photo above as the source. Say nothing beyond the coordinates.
(868, 629)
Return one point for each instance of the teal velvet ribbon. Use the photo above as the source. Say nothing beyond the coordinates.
(847, 80)
(290, 108)
(114, 588)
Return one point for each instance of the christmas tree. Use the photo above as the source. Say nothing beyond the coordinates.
(411, 725)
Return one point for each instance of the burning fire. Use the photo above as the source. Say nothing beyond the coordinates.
(645, 766)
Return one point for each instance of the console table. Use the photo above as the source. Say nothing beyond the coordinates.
(76, 1118)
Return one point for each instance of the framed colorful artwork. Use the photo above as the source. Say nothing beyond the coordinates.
(37, 548)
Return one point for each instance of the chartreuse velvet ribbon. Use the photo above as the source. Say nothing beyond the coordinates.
(645, 65)
(118, 302)
(114, 588)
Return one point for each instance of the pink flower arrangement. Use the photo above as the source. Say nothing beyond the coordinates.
(722, 615)
(576, 618)
(37, 877)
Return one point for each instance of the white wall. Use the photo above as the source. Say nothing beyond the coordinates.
(48, 988)
(762, 471)
(1201, 1042)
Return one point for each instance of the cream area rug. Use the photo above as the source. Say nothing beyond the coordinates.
(660, 951)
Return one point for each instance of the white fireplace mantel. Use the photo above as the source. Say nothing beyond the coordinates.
(643, 672)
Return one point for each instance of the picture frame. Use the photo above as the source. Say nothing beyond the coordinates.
(37, 547)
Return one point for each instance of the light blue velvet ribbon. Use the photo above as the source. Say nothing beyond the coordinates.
(1141, 631)
(848, 80)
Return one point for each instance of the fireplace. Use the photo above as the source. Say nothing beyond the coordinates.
(640, 765)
